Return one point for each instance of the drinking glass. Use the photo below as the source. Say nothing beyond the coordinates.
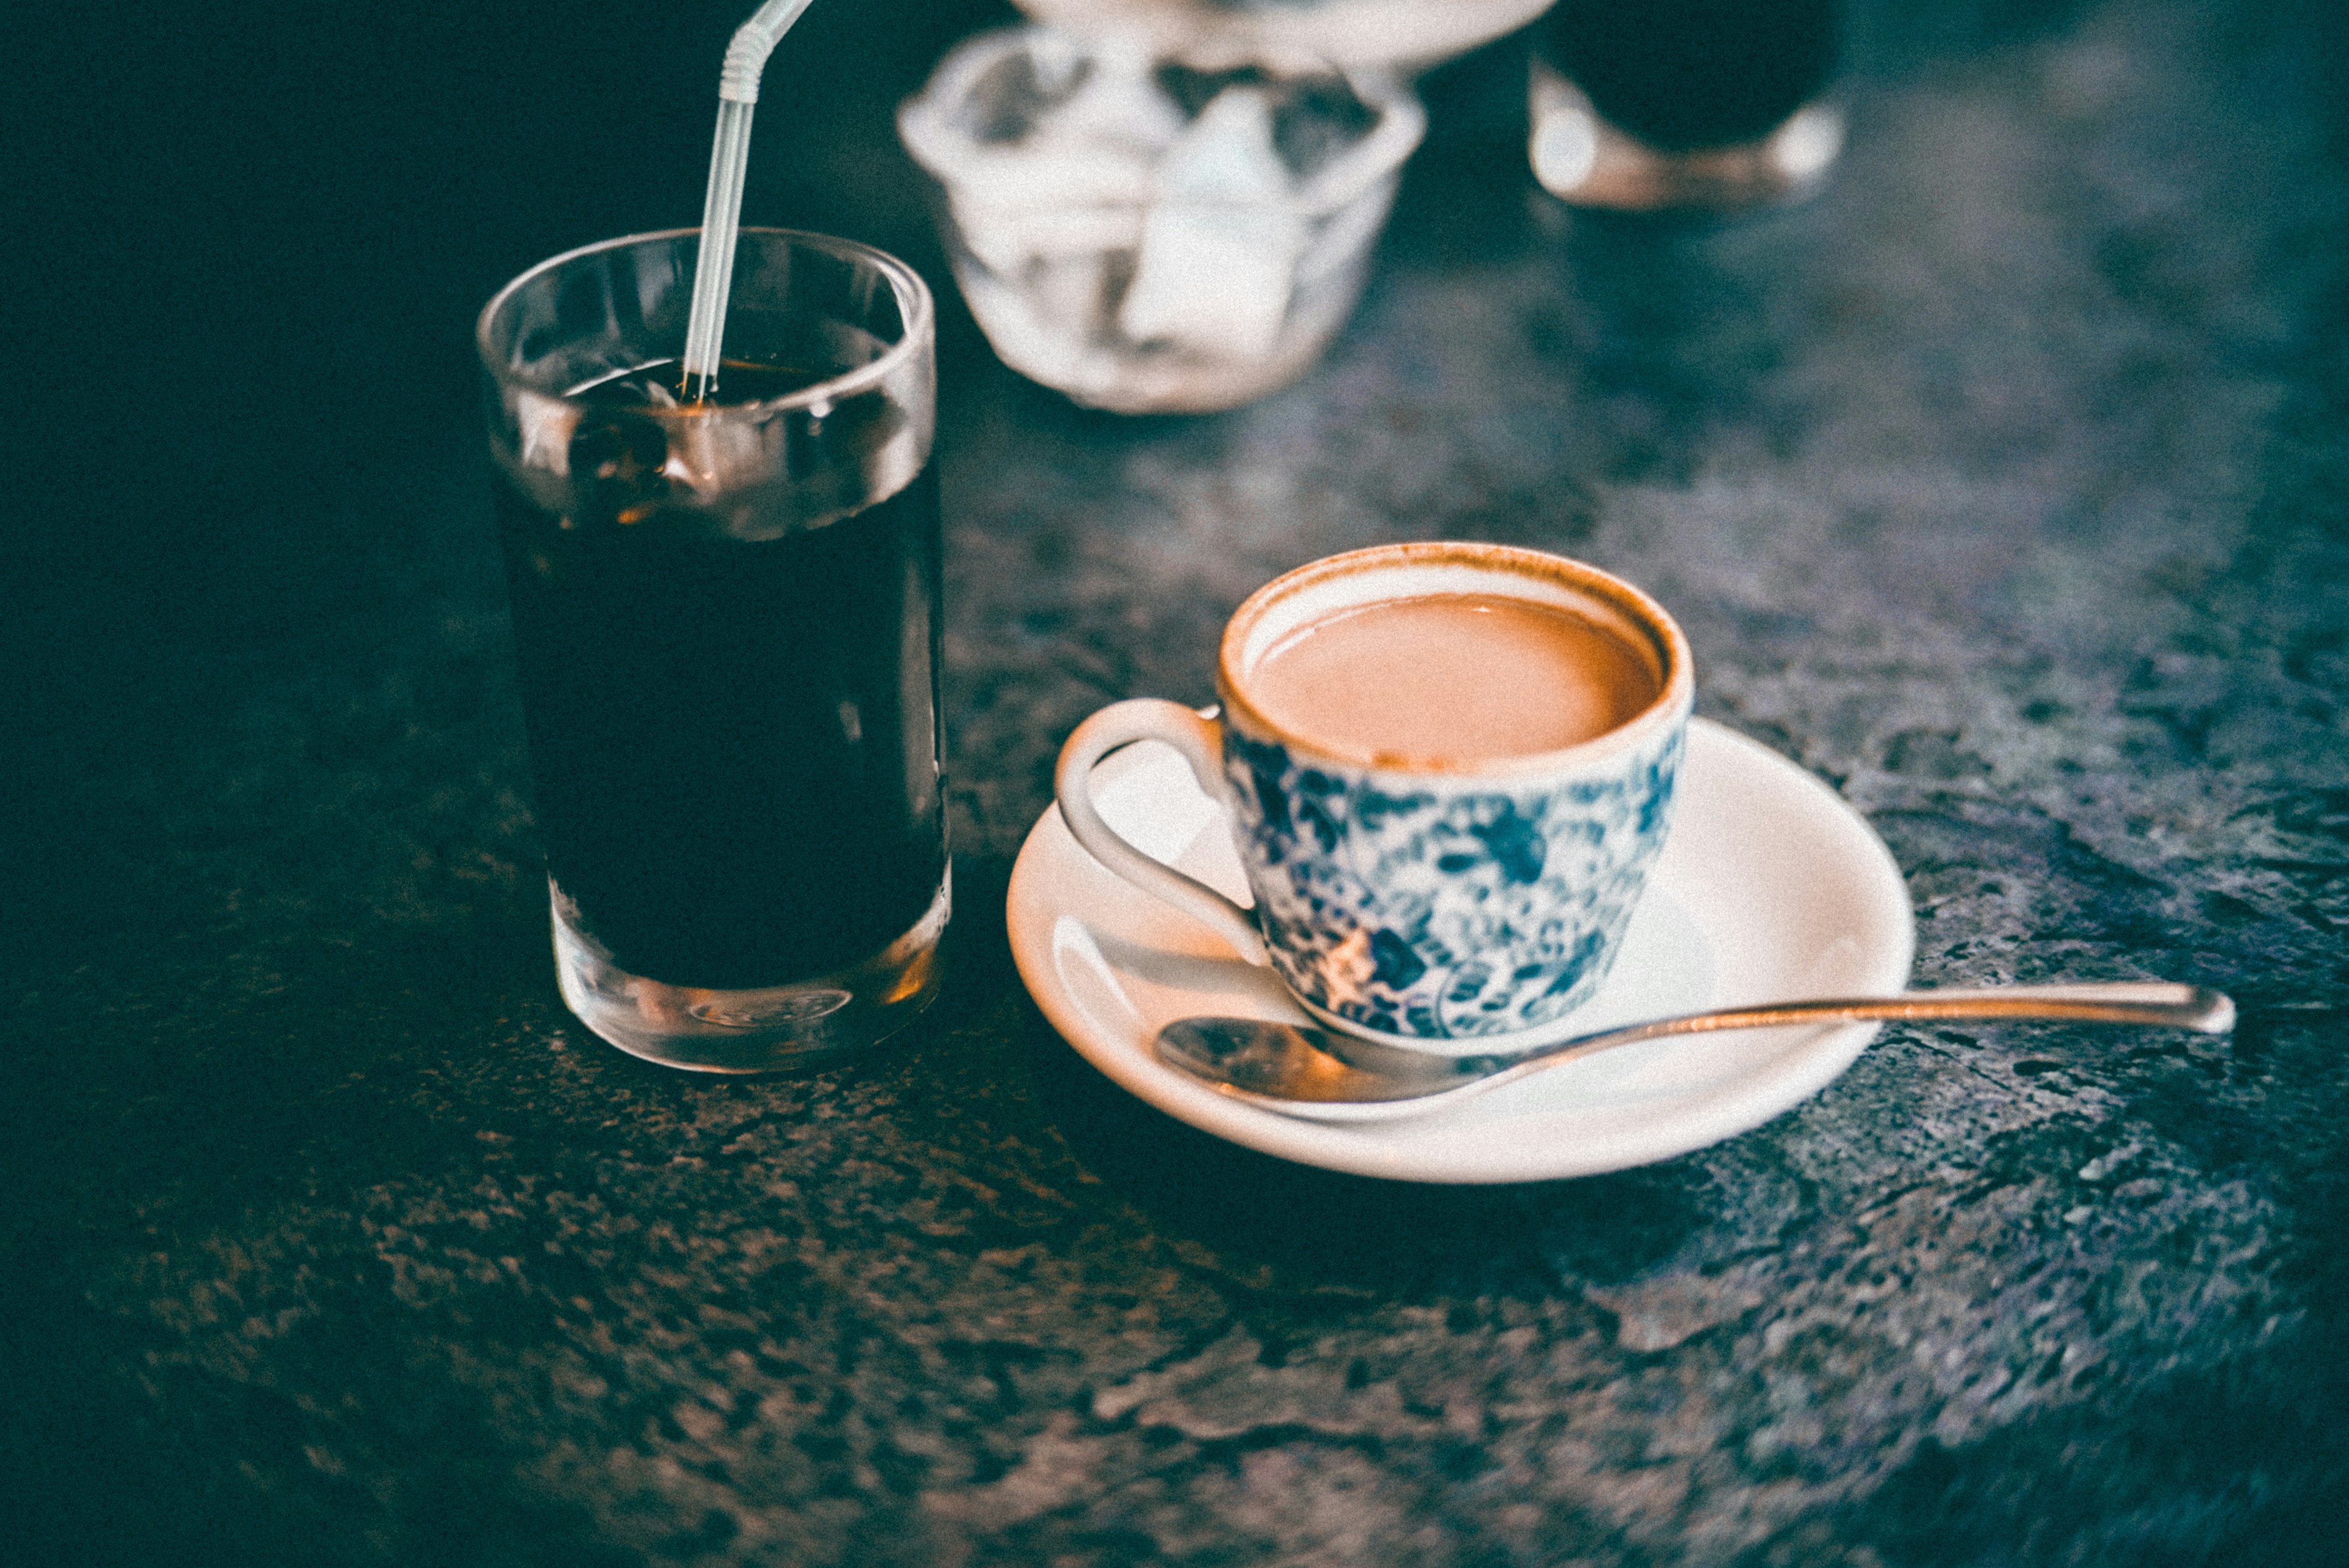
(1683, 105)
(726, 616)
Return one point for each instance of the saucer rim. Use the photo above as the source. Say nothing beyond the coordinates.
(1447, 1147)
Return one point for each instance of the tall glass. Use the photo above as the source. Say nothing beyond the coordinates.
(727, 620)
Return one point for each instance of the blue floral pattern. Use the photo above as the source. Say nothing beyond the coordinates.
(1446, 909)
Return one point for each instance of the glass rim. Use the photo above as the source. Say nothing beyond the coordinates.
(915, 305)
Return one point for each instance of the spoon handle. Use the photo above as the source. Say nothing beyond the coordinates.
(2149, 1001)
(2152, 1001)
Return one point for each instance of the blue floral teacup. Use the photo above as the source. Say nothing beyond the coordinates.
(1437, 902)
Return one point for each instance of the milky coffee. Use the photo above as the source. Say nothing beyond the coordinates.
(1452, 679)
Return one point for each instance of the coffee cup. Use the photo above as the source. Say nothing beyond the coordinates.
(1448, 768)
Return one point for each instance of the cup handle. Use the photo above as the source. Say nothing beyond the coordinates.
(1201, 742)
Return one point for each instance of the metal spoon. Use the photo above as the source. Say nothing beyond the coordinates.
(1325, 1076)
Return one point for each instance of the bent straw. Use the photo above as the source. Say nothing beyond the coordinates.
(721, 207)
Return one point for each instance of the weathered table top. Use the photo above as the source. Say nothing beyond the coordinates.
(2005, 486)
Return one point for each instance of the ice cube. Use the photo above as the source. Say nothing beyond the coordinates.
(1066, 292)
(1227, 152)
(1015, 93)
(1316, 119)
(1214, 278)
(1220, 246)
(546, 425)
(1051, 171)
(616, 461)
(1025, 86)
(1118, 103)
(1051, 207)
(1076, 181)
(1047, 154)
(718, 455)
(1070, 123)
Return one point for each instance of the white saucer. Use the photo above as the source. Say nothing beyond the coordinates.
(1770, 888)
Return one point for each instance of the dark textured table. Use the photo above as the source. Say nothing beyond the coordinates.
(2005, 486)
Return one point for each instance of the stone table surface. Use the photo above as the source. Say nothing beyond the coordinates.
(2005, 486)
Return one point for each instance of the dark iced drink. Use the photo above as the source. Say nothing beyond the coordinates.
(1682, 75)
(726, 617)
(1689, 105)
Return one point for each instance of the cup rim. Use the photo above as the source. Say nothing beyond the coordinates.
(915, 308)
(1675, 695)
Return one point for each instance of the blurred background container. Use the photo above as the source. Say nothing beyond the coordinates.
(1151, 234)
(1702, 105)
(1406, 34)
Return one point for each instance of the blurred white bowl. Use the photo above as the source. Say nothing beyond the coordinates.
(1148, 237)
(1402, 35)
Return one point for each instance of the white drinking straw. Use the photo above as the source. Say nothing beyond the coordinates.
(721, 208)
